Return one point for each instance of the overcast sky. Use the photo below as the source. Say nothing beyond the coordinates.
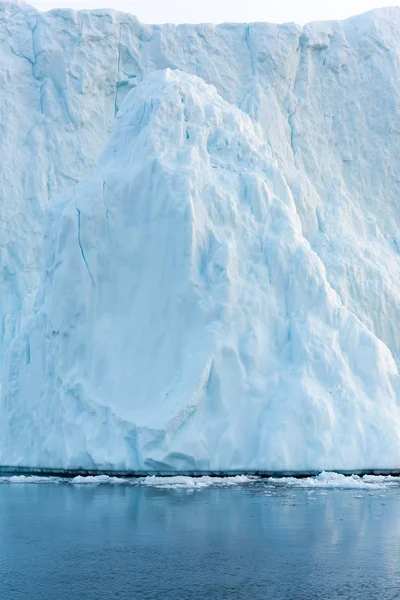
(217, 11)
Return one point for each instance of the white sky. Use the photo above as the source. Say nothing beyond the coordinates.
(217, 11)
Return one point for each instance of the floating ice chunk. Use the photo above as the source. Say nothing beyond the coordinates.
(29, 479)
(337, 480)
(198, 483)
(100, 479)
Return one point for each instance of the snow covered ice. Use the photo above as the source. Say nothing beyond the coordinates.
(217, 289)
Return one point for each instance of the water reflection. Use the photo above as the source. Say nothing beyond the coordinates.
(66, 542)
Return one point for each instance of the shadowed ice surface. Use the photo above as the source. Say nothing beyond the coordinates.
(195, 539)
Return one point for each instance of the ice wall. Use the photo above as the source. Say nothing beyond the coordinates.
(323, 104)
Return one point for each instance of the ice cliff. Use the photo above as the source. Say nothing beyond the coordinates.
(218, 288)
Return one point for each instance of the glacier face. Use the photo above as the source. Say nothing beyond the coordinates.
(220, 291)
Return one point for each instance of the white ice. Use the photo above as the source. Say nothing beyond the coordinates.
(338, 481)
(221, 289)
(196, 483)
(323, 481)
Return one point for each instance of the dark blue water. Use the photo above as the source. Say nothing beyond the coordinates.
(62, 541)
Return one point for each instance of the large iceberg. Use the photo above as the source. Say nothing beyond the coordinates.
(220, 291)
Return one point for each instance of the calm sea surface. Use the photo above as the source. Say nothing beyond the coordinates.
(187, 539)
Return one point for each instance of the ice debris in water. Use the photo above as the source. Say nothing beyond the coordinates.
(337, 480)
(325, 480)
(178, 482)
(183, 482)
(29, 479)
(99, 479)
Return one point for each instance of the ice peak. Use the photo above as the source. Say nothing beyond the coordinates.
(180, 113)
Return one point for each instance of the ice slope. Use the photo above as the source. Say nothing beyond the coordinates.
(324, 100)
(326, 97)
(184, 320)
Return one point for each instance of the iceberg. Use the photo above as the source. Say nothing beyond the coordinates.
(217, 289)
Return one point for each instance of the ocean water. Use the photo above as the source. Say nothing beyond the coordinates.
(182, 538)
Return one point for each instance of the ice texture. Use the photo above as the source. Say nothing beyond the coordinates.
(271, 487)
(218, 290)
(333, 480)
